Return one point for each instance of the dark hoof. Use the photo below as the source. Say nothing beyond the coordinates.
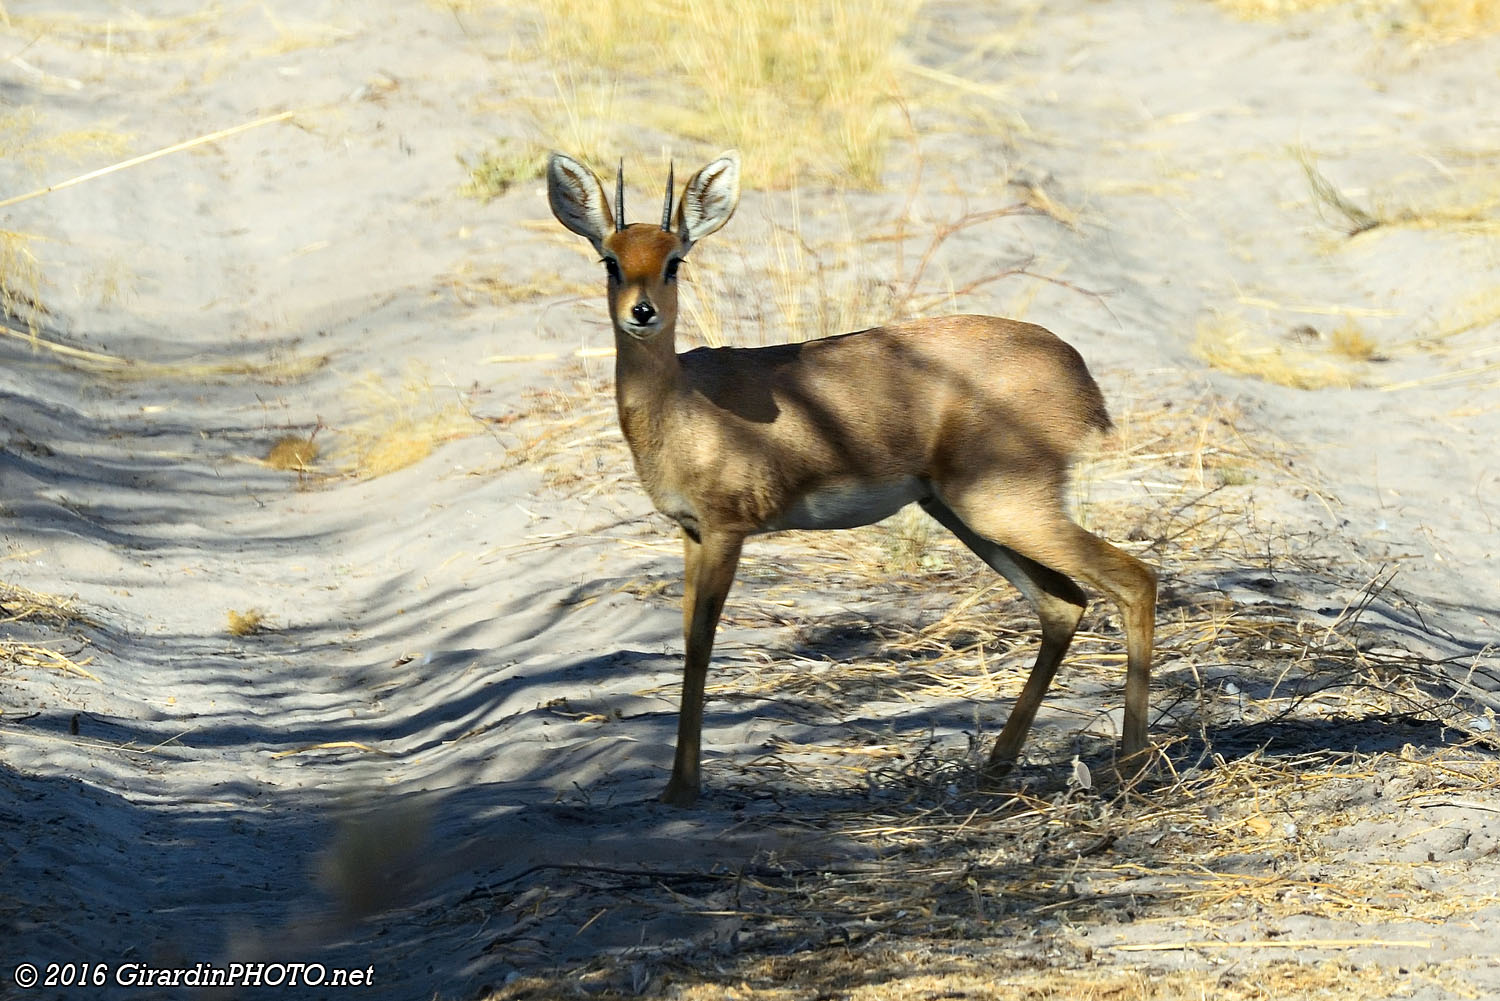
(679, 795)
(995, 772)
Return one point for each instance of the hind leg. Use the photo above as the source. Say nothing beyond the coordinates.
(1035, 527)
(1059, 604)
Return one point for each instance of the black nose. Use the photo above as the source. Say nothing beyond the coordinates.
(642, 312)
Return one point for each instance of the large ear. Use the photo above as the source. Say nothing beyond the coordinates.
(709, 198)
(578, 200)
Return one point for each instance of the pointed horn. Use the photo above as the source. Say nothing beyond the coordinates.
(666, 209)
(620, 197)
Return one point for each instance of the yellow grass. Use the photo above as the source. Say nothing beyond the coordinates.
(497, 170)
(924, 975)
(1227, 343)
(1438, 21)
(1348, 340)
(1467, 200)
(23, 606)
(1265, 9)
(809, 290)
(763, 75)
(26, 142)
(20, 281)
(398, 426)
(246, 623)
(27, 147)
(292, 453)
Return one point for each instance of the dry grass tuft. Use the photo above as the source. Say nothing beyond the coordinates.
(472, 285)
(1327, 195)
(759, 75)
(1454, 20)
(276, 367)
(293, 453)
(26, 616)
(1217, 861)
(1467, 201)
(27, 148)
(925, 971)
(1227, 343)
(1429, 21)
(26, 143)
(1349, 341)
(246, 623)
(396, 427)
(20, 282)
(495, 171)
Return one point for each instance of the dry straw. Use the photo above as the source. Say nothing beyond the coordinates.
(398, 425)
(246, 623)
(136, 161)
(275, 368)
(930, 627)
(23, 611)
(1205, 864)
(759, 75)
(1244, 771)
(1428, 21)
(20, 280)
(1467, 202)
(1227, 343)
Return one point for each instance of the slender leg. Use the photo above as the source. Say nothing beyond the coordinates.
(1044, 535)
(1059, 604)
(710, 567)
(690, 549)
(1138, 611)
(1132, 586)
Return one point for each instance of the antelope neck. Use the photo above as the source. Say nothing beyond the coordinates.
(646, 371)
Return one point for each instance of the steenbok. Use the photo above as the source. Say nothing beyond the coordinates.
(975, 418)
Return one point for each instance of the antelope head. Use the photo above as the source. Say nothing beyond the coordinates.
(641, 259)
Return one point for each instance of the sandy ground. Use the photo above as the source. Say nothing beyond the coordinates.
(438, 758)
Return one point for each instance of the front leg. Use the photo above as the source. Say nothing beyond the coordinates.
(709, 573)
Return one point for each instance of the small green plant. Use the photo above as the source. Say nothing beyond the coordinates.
(495, 171)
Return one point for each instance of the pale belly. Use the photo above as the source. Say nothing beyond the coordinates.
(848, 505)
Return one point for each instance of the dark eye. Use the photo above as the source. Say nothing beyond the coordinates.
(612, 268)
(671, 275)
